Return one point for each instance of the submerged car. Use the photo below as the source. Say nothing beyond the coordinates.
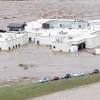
(45, 79)
(55, 78)
(95, 71)
(66, 76)
(78, 74)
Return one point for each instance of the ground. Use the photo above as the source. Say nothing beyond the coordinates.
(90, 92)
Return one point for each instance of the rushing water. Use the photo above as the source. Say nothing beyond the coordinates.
(41, 61)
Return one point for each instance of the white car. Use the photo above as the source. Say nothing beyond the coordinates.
(43, 80)
(78, 74)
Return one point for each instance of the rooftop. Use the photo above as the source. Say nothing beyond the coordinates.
(9, 36)
(16, 25)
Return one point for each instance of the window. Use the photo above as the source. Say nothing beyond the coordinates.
(30, 39)
(80, 26)
(38, 42)
(16, 46)
(45, 26)
(70, 28)
(19, 45)
(60, 50)
(61, 25)
(50, 46)
(9, 48)
(13, 47)
(54, 47)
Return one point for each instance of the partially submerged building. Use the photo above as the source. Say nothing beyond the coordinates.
(70, 24)
(65, 35)
(10, 41)
(75, 41)
(16, 26)
(59, 34)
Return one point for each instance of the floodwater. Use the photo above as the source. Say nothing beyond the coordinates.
(28, 10)
(44, 61)
(41, 61)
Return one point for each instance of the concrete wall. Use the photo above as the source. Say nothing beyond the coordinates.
(64, 47)
(14, 43)
(44, 40)
(32, 36)
(97, 51)
(93, 42)
(3, 45)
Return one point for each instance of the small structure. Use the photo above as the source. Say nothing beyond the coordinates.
(10, 41)
(16, 26)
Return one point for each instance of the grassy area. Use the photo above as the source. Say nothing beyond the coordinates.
(24, 92)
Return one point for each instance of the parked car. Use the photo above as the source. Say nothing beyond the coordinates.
(55, 78)
(67, 76)
(78, 74)
(95, 71)
(45, 79)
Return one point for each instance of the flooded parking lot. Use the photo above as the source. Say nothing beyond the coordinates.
(45, 62)
(41, 61)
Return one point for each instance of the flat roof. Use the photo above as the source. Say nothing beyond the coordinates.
(16, 25)
(80, 39)
(10, 36)
(73, 32)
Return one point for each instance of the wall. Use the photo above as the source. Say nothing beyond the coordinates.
(61, 46)
(68, 24)
(3, 45)
(93, 42)
(44, 40)
(97, 51)
(32, 36)
(10, 43)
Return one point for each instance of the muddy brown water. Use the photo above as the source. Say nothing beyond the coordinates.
(46, 62)
(24, 11)
(41, 61)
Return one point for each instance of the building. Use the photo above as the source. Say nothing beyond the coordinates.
(76, 41)
(35, 26)
(71, 24)
(10, 41)
(16, 26)
(65, 35)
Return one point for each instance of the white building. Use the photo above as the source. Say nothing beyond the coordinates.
(10, 41)
(77, 41)
(67, 35)
(35, 26)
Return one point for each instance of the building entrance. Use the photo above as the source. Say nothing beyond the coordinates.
(81, 46)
